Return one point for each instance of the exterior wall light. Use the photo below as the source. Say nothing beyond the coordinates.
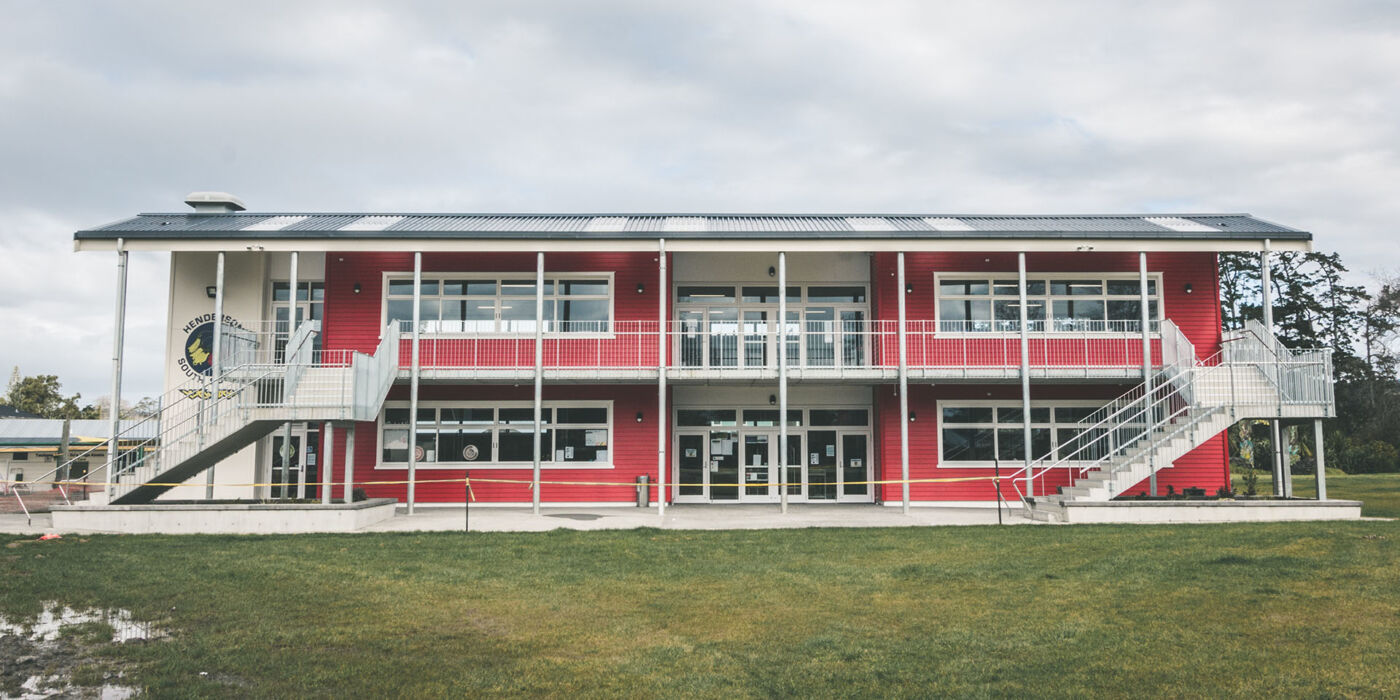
(1188, 288)
(772, 271)
(772, 400)
(641, 289)
(211, 291)
(356, 288)
(913, 416)
(639, 416)
(908, 289)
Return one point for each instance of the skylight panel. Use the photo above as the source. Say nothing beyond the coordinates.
(685, 223)
(606, 223)
(1177, 223)
(371, 223)
(947, 223)
(869, 223)
(275, 223)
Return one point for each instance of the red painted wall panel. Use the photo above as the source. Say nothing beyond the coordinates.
(633, 451)
(1204, 467)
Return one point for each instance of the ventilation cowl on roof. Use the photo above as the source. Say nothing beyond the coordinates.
(214, 202)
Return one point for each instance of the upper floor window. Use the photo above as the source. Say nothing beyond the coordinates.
(1059, 303)
(576, 303)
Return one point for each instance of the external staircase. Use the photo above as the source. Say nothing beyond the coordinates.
(1191, 401)
(264, 381)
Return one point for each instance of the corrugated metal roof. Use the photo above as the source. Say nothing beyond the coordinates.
(46, 431)
(386, 225)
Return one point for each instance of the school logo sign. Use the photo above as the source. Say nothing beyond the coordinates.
(197, 358)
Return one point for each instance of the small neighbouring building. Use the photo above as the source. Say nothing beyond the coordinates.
(725, 358)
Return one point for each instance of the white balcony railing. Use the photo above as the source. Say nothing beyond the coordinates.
(720, 347)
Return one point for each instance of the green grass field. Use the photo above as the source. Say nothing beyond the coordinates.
(1283, 609)
(1379, 493)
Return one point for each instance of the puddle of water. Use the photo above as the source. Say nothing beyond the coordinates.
(50, 623)
(43, 687)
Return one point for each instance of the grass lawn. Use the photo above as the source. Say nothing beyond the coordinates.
(1379, 493)
(1286, 609)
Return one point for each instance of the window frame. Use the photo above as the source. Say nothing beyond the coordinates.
(496, 464)
(1049, 278)
(551, 278)
(1054, 426)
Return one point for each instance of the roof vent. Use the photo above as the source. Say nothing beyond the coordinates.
(214, 202)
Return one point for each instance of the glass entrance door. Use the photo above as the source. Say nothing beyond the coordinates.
(297, 477)
(821, 465)
(724, 466)
(796, 469)
(855, 468)
(690, 476)
(758, 458)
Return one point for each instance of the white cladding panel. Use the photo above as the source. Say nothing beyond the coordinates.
(802, 268)
(798, 395)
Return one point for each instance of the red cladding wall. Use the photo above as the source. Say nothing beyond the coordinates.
(633, 451)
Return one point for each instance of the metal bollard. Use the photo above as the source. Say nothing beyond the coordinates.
(643, 493)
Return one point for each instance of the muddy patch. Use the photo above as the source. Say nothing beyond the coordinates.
(58, 653)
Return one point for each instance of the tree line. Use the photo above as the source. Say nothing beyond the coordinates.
(1314, 306)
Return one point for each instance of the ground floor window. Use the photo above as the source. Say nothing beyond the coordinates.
(498, 434)
(982, 433)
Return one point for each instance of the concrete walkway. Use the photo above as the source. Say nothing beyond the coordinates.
(687, 517)
(682, 517)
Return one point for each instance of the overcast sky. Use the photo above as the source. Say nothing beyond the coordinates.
(1287, 110)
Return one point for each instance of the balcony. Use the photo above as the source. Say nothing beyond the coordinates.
(747, 351)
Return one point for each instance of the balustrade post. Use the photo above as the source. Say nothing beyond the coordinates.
(1025, 370)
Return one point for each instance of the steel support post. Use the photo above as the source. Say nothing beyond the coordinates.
(1267, 304)
(1285, 460)
(413, 382)
(782, 382)
(663, 417)
(1143, 302)
(216, 364)
(292, 284)
(118, 339)
(1321, 460)
(350, 464)
(325, 469)
(1025, 374)
(539, 378)
(903, 388)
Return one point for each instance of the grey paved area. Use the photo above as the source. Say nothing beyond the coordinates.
(684, 517)
(688, 517)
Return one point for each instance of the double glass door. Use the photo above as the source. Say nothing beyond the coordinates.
(738, 466)
(294, 471)
(740, 338)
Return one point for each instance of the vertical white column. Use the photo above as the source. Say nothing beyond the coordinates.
(782, 382)
(1321, 460)
(118, 340)
(1285, 452)
(539, 378)
(413, 383)
(903, 390)
(292, 285)
(1025, 371)
(1267, 306)
(1147, 362)
(350, 464)
(325, 471)
(216, 363)
(663, 417)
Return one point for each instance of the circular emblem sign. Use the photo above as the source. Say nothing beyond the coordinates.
(199, 348)
(470, 453)
(418, 453)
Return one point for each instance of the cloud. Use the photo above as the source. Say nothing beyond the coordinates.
(1283, 109)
